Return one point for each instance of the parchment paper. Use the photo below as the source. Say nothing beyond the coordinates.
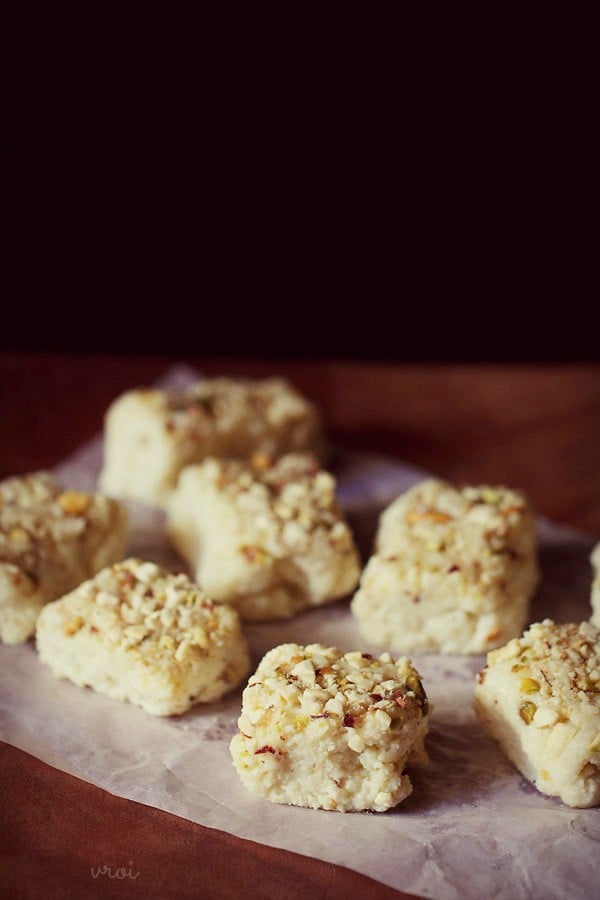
(472, 828)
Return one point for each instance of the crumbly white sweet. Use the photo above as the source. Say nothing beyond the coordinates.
(140, 634)
(453, 570)
(150, 435)
(266, 536)
(539, 698)
(324, 729)
(595, 599)
(51, 539)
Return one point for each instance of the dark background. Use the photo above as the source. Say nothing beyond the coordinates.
(402, 192)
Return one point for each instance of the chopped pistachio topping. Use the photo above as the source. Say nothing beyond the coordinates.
(529, 686)
(217, 406)
(527, 711)
(137, 603)
(286, 502)
(318, 683)
(559, 662)
(39, 522)
(439, 526)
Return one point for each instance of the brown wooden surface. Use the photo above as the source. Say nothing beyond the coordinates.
(537, 428)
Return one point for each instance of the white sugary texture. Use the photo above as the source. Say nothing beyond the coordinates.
(50, 541)
(150, 435)
(266, 536)
(539, 698)
(595, 600)
(138, 633)
(453, 570)
(328, 730)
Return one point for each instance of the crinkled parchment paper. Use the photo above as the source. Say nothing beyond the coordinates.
(472, 828)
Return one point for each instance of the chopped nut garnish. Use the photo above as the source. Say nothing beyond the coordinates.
(347, 692)
(289, 499)
(433, 515)
(74, 502)
(262, 461)
(545, 646)
(18, 535)
(255, 554)
(527, 712)
(529, 686)
(267, 749)
(73, 626)
(413, 682)
(514, 509)
(130, 613)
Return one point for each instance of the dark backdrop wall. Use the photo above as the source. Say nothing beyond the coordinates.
(402, 194)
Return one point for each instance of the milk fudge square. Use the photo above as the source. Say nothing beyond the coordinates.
(324, 729)
(539, 698)
(266, 536)
(51, 539)
(140, 634)
(150, 434)
(453, 570)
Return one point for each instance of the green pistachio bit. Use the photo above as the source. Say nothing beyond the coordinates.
(492, 496)
(527, 711)
(529, 686)
(413, 683)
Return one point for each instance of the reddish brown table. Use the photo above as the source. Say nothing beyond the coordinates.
(537, 428)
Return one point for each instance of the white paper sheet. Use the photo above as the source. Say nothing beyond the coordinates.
(472, 828)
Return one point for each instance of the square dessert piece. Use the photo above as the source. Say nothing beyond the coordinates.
(453, 570)
(266, 536)
(51, 539)
(150, 435)
(138, 633)
(324, 729)
(596, 586)
(539, 698)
